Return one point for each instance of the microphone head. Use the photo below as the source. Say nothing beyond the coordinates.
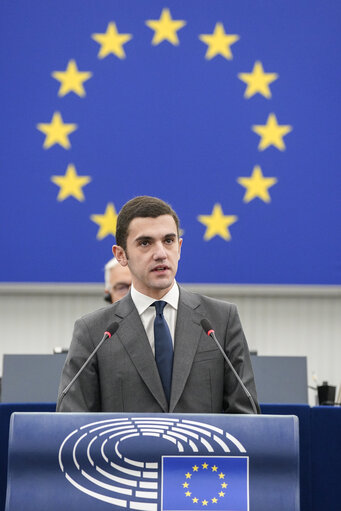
(206, 326)
(112, 328)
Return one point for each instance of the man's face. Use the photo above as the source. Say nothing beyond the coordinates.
(152, 254)
(120, 282)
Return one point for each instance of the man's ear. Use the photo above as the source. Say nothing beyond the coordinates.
(120, 255)
(180, 245)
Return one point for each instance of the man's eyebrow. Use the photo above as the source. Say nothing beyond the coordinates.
(149, 238)
(143, 238)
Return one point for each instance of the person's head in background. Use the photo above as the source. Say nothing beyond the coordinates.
(117, 281)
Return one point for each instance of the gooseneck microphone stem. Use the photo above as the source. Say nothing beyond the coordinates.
(112, 328)
(210, 332)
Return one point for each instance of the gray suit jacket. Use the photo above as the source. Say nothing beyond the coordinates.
(123, 376)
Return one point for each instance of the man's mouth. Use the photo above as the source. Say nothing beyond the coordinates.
(160, 268)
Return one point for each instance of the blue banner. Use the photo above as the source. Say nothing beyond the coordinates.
(228, 110)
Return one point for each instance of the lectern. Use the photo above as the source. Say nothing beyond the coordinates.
(152, 462)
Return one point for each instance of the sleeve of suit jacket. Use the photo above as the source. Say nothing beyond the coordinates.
(236, 348)
(84, 394)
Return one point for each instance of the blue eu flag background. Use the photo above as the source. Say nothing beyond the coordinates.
(196, 482)
(230, 111)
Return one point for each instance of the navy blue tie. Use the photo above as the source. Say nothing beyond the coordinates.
(163, 348)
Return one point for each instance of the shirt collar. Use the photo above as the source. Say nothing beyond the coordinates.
(142, 302)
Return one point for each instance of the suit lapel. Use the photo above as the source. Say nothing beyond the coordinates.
(135, 341)
(187, 335)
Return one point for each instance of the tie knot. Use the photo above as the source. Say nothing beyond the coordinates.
(159, 306)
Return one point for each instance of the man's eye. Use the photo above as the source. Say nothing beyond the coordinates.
(144, 243)
(169, 241)
(119, 288)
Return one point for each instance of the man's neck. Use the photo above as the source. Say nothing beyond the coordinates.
(156, 294)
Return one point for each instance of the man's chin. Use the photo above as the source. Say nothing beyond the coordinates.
(162, 282)
(163, 285)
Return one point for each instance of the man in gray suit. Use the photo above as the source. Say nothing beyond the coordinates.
(127, 374)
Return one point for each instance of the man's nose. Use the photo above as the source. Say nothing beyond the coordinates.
(159, 252)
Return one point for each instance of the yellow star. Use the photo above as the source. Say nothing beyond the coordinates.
(214, 500)
(111, 42)
(204, 502)
(195, 500)
(224, 485)
(204, 465)
(185, 485)
(188, 493)
(56, 132)
(188, 475)
(219, 42)
(71, 184)
(214, 468)
(221, 476)
(217, 223)
(165, 28)
(71, 79)
(221, 494)
(271, 133)
(106, 222)
(195, 468)
(257, 81)
(257, 185)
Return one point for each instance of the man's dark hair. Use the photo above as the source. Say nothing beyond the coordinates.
(144, 207)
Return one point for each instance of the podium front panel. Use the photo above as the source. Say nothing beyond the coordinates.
(152, 462)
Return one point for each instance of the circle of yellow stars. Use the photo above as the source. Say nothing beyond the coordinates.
(165, 29)
(220, 478)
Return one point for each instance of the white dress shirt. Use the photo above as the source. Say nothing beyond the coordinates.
(147, 312)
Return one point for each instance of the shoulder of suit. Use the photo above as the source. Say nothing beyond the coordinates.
(103, 311)
(106, 311)
(197, 299)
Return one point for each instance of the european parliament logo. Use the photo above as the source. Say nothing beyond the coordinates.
(189, 465)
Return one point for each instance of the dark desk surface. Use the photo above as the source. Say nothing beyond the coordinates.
(31, 378)
(35, 378)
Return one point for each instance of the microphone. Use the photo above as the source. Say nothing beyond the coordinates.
(206, 325)
(111, 329)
